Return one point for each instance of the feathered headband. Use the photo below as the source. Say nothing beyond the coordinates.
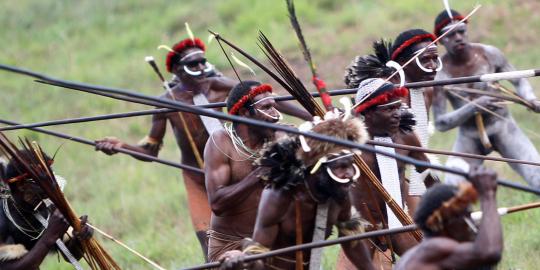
(263, 88)
(410, 42)
(373, 92)
(453, 207)
(179, 47)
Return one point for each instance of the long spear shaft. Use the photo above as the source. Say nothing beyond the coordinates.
(121, 150)
(340, 240)
(491, 77)
(248, 121)
(160, 111)
(312, 245)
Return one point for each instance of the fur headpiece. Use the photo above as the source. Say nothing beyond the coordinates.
(352, 130)
(178, 48)
(289, 163)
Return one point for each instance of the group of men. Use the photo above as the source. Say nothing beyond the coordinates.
(264, 190)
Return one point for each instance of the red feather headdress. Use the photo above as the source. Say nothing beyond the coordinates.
(180, 47)
(383, 98)
(263, 88)
(410, 42)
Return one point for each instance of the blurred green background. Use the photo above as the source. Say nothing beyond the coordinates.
(104, 42)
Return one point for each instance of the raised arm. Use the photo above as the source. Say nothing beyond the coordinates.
(150, 145)
(223, 193)
(447, 120)
(488, 245)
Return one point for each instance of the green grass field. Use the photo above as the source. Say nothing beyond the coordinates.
(105, 42)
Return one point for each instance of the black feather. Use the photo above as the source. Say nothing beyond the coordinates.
(406, 121)
(286, 170)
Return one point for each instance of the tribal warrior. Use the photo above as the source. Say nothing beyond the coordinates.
(29, 228)
(480, 132)
(452, 240)
(196, 84)
(232, 180)
(379, 103)
(306, 195)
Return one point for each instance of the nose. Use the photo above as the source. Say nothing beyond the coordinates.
(431, 64)
(200, 66)
(348, 173)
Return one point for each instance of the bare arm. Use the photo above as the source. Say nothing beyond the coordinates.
(150, 146)
(447, 120)
(524, 88)
(290, 109)
(222, 192)
(273, 206)
(488, 245)
(33, 259)
(222, 83)
(412, 140)
(356, 251)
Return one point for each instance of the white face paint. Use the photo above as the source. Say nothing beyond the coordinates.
(208, 68)
(344, 180)
(278, 118)
(428, 70)
(192, 73)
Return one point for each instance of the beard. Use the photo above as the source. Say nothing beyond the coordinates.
(331, 189)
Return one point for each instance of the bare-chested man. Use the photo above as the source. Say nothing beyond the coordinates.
(311, 189)
(502, 135)
(451, 240)
(380, 106)
(193, 85)
(28, 228)
(232, 181)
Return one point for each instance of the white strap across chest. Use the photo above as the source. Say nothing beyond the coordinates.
(319, 234)
(210, 124)
(418, 106)
(390, 179)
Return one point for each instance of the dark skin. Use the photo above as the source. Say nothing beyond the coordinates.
(26, 196)
(456, 247)
(232, 181)
(275, 227)
(384, 122)
(216, 89)
(413, 73)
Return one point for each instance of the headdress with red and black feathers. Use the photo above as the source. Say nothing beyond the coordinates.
(405, 41)
(174, 56)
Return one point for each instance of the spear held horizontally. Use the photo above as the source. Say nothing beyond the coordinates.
(168, 103)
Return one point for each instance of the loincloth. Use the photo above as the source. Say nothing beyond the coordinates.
(219, 243)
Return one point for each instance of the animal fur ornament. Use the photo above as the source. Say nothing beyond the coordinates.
(289, 163)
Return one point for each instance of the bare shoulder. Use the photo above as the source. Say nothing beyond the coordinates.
(409, 138)
(489, 51)
(219, 140)
(426, 253)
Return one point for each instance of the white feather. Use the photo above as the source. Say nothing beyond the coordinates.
(188, 30)
(447, 7)
(242, 64)
(149, 59)
(210, 38)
